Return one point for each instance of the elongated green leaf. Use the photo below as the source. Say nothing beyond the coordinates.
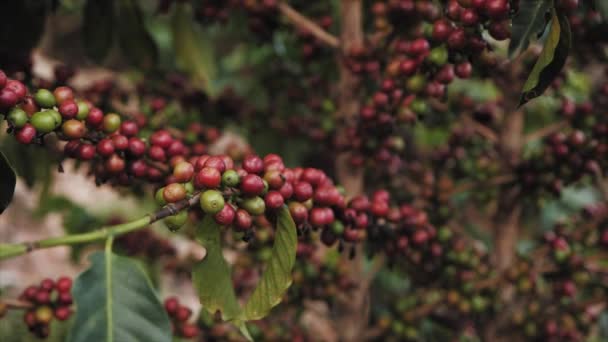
(277, 275)
(551, 60)
(602, 7)
(115, 302)
(193, 50)
(212, 276)
(136, 43)
(98, 28)
(8, 180)
(529, 20)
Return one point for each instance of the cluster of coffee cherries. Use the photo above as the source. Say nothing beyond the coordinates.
(117, 149)
(180, 315)
(145, 243)
(49, 299)
(262, 16)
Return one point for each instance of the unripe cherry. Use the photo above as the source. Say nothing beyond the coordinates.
(183, 171)
(115, 164)
(298, 212)
(63, 94)
(174, 192)
(73, 129)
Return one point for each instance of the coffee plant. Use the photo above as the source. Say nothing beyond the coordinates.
(344, 170)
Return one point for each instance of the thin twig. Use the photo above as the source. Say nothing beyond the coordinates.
(480, 129)
(545, 131)
(308, 25)
(16, 303)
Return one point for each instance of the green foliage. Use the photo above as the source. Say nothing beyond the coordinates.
(277, 275)
(193, 50)
(212, 276)
(551, 60)
(98, 28)
(135, 41)
(8, 180)
(116, 302)
(529, 21)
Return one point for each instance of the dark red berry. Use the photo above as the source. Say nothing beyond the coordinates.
(252, 185)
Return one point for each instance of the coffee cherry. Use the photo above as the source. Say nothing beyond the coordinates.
(302, 191)
(183, 172)
(16, 87)
(62, 313)
(216, 163)
(115, 164)
(226, 216)
(212, 202)
(94, 117)
(171, 305)
(17, 117)
(463, 70)
(84, 111)
(42, 297)
(253, 164)
(254, 205)
(64, 284)
(86, 152)
(175, 222)
(438, 55)
(105, 147)
(73, 129)
(44, 122)
(252, 185)
(68, 109)
(111, 123)
(441, 30)
(298, 212)
(189, 330)
(157, 153)
(182, 314)
(29, 105)
(3, 79)
(274, 200)
(26, 134)
(243, 220)
(497, 9)
(44, 314)
(161, 138)
(230, 178)
(63, 94)
(8, 98)
(174, 192)
(129, 128)
(121, 142)
(136, 147)
(44, 98)
(208, 178)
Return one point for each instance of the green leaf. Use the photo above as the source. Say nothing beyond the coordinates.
(602, 7)
(98, 28)
(193, 50)
(529, 20)
(551, 60)
(116, 303)
(277, 275)
(8, 180)
(135, 41)
(212, 276)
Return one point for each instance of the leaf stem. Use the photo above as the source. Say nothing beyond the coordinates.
(108, 258)
(8, 251)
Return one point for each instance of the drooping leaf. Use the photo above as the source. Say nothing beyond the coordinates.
(602, 7)
(277, 275)
(98, 28)
(116, 302)
(551, 60)
(529, 20)
(135, 41)
(193, 50)
(8, 180)
(212, 276)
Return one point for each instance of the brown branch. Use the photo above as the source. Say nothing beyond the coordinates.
(16, 303)
(480, 129)
(545, 131)
(308, 25)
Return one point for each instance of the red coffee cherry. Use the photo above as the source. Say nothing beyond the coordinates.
(183, 172)
(171, 305)
(252, 185)
(298, 212)
(157, 153)
(243, 220)
(73, 129)
(105, 147)
(137, 147)
(129, 128)
(26, 134)
(68, 109)
(86, 152)
(208, 178)
(274, 200)
(16, 87)
(63, 94)
(161, 138)
(302, 191)
(226, 216)
(95, 117)
(253, 164)
(115, 164)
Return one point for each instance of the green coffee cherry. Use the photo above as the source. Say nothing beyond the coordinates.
(17, 117)
(83, 110)
(212, 201)
(439, 55)
(230, 178)
(44, 122)
(175, 222)
(254, 205)
(111, 123)
(337, 227)
(56, 116)
(45, 99)
(158, 196)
